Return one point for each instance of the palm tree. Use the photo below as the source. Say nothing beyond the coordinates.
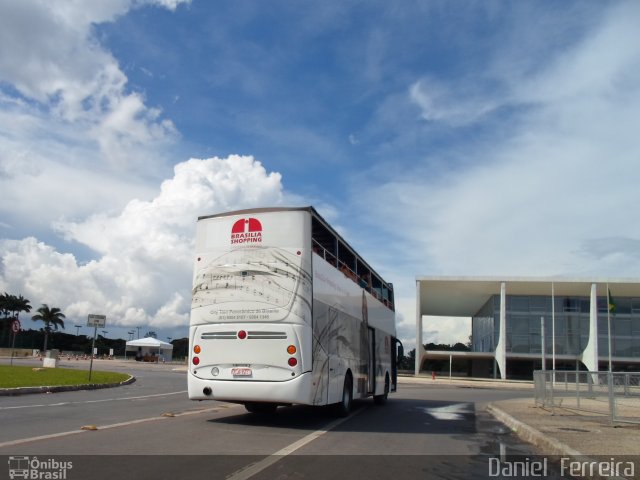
(10, 308)
(50, 317)
(21, 304)
(10, 304)
(4, 322)
(4, 304)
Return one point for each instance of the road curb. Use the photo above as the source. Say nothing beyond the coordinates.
(535, 437)
(63, 388)
(549, 445)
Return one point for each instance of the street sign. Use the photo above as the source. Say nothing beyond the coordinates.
(96, 320)
(15, 328)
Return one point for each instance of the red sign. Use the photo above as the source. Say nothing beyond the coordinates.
(15, 326)
(246, 230)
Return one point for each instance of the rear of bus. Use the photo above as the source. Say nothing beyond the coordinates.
(250, 329)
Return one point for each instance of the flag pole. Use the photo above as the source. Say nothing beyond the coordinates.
(544, 345)
(609, 325)
(553, 330)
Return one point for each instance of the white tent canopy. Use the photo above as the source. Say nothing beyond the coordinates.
(150, 348)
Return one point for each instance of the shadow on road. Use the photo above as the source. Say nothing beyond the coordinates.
(407, 416)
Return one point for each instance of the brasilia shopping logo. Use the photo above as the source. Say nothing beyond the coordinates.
(246, 230)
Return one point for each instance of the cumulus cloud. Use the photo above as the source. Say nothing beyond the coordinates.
(54, 64)
(48, 52)
(68, 119)
(143, 265)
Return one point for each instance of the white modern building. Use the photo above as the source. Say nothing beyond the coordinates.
(514, 320)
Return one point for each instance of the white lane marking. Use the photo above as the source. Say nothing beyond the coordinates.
(255, 468)
(456, 411)
(106, 427)
(41, 437)
(118, 399)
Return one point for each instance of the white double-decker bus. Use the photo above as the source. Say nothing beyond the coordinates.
(285, 312)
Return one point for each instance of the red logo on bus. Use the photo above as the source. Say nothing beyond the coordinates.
(246, 230)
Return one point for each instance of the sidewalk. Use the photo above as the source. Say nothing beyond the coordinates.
(568, 432)
(563, 432)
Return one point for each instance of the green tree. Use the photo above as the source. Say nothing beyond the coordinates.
(52, 317)
(11, 306)
(4, 304)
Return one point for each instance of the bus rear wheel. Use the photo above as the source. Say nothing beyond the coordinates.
(261, 408)
(382, 399)
(344, 406)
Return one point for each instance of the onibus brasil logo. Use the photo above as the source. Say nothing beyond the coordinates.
(36, 469)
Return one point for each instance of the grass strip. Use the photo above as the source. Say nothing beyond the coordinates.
(17, 376)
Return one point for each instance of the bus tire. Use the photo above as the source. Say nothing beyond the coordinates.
(382, 399)
(261, 408)
(344, 406)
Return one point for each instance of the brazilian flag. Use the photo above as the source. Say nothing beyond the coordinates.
(612, 303)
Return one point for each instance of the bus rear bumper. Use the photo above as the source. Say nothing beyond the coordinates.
(295, 391)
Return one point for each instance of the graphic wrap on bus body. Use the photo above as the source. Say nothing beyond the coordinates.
(251, 284)
(345, 319)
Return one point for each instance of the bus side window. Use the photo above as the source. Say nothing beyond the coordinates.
(376, 285)
(348, 272)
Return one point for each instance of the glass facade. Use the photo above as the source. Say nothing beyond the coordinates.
(524, 314)
(485, 326)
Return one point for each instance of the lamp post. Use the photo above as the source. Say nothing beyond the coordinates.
(130, 333)
(78, 330)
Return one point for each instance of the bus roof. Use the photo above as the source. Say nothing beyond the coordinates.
(309, 209)
(260, 210)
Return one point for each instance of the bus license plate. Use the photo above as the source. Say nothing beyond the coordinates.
(241, 372)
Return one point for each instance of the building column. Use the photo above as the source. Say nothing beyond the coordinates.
(589, 355)
(419, 348)
(501, 348)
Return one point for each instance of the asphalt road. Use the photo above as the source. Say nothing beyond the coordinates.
(434, 432)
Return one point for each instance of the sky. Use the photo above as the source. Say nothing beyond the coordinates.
(440, 138)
